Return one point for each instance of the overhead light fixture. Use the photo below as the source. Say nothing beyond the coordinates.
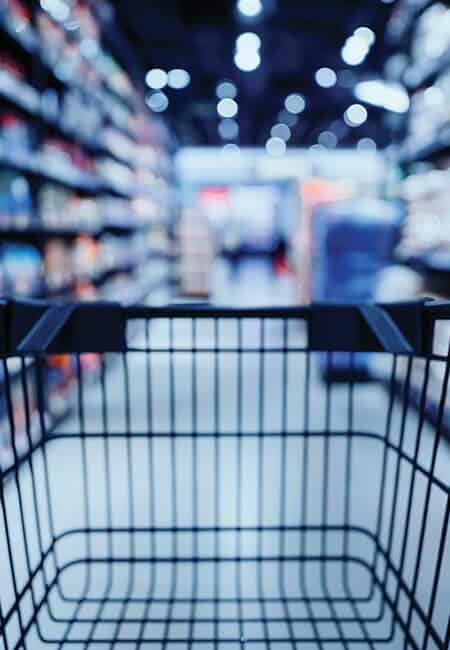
(228, 129)
(275, 147)
(366, 144)
(391, 96)
(231, 149)
(226, 89)
(247, 60)
(156, 79)
(294, 103)
(325, 77)
(227, 107)
(328, 139)
(248, 41)
(250, 8)
(281, 131)
(158, 102)
(365, 34)
(247, 56)
(178, 79)
(355, 115)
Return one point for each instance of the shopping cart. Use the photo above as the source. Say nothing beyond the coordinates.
(209, 491)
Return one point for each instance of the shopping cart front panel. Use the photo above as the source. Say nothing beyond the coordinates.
(210, 490)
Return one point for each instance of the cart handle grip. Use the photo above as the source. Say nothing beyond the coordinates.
(47, 328)
(389, 335)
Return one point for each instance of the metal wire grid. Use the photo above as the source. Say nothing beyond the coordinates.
(211, 492)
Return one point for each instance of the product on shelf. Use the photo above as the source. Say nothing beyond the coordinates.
(196, 254)
(21, 266)
(13, 85)
(16, 209)
(61, 208)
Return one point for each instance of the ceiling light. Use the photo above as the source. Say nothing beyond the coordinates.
(156, 79)
(354, 51)
(226, 89)
(328, 139)
(178, 79)
(228, 129)
(355, 115)
(247, 60)
(250, 8)
(325, 77)
(281, 131)
(275, 147)
(391, 96)
(287, 118)
(294, 103)
(227, 107)
(367, 144)
(232, 149)
(158, 102)
(248, 41)
(365, 34)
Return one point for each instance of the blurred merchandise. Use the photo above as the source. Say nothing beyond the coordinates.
(16, 210)
(196, 254)
(22, 270)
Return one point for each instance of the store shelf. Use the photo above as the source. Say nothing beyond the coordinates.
(428, 153)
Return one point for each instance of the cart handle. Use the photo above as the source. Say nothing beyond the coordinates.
(385, 329)
(47, 328)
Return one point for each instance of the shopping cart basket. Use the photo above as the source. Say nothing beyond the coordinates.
(209, 491)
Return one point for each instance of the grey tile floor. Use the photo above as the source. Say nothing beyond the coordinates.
(259, 537)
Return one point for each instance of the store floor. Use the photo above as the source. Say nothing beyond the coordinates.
(238, 513)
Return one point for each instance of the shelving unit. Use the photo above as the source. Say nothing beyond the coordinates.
(87, 186)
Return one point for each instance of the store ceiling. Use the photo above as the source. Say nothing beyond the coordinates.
(297, 39)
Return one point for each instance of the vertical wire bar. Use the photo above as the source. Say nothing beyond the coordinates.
(217, 479)
(173, 458)
(3, 636)
(347, 516)
(422, 406)
(441, 410)
(85, 483)
(17, 482)
(304, 504)
(130, 498)
(325, 510)
(9, 544)
(30, 463)
(151, 454)
(109, 515)
(260, 481)
(239, 495)
(41, 387)
(437, 574)
(382, 492)
(194, 469)
(283, 478)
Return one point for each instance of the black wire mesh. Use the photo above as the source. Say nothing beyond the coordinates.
(210, 491)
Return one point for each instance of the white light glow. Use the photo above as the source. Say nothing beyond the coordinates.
(294, 103)
(156, 79)
(281, 131)
(366, 144)
(354, 51)
(325, 77)
(391, 96)
(178, 79)
(58, 9)
(226, 89)
(227, 107)
(355, 115)
(158, 102)
(275, 147)
(366, 35)
(250, 8)
(328, 139)
(248, 41)
(231, 150)
(228, 129)
(247, 60)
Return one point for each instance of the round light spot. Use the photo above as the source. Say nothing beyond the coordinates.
(158, 102)
(226, 89)
(179, 79)
(326, 77)
(227, 107)
(275, 147)
(281, 131)
(294, 103)
(228, 129)
(156, 79)
(355, 115)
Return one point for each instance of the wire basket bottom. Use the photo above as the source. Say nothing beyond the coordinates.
(246, 603)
